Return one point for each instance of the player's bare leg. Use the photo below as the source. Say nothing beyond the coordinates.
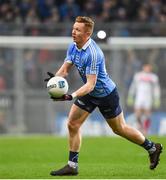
(76, 118)
(119, 127)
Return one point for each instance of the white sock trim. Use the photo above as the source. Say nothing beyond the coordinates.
(72, 164)
(152, 149)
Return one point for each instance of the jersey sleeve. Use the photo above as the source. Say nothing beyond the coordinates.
(92, 63)
(156, 88)
(132, 88)
(68, 57)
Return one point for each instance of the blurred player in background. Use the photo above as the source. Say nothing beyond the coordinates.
(144, 95)
(98, 91)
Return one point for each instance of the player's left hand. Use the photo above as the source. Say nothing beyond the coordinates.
(65, 97)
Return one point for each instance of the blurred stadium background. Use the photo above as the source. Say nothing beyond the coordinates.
(34, 36)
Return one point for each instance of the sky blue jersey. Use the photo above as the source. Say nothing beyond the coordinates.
(90, 60)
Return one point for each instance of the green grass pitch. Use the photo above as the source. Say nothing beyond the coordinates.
(33, 157)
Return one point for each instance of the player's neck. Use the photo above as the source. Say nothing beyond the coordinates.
(80, 45)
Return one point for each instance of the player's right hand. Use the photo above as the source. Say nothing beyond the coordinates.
(50, 76)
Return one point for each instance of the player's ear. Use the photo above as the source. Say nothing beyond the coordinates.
(88, 33)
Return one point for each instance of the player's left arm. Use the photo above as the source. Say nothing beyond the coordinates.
(87, 87)
(83, 90)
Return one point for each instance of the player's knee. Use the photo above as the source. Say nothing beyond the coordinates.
(119, 130)
(73, 126)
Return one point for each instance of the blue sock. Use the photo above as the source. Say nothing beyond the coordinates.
(147, 144)
(73, 156)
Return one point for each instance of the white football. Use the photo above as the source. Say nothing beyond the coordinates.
(57, 86)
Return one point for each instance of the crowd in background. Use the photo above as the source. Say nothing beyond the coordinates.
(48, 14)
(45, 11)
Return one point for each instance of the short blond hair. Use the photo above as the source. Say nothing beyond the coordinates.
(89, 23)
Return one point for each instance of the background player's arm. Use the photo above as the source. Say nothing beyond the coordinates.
(131, 92)
(157, 93)
(86, 88)
(64, 69)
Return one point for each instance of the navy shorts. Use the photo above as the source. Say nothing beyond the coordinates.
(109, 105)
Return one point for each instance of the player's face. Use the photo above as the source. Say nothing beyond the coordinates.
(147, 68)
(79, 34)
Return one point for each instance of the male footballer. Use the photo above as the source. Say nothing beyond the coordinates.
(98, 91)
(144, 95)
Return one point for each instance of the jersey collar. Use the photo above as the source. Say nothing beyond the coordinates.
(85, 45)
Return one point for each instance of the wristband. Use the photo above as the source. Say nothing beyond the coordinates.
(74, 95)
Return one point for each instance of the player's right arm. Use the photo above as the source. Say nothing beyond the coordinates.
(64, 69)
